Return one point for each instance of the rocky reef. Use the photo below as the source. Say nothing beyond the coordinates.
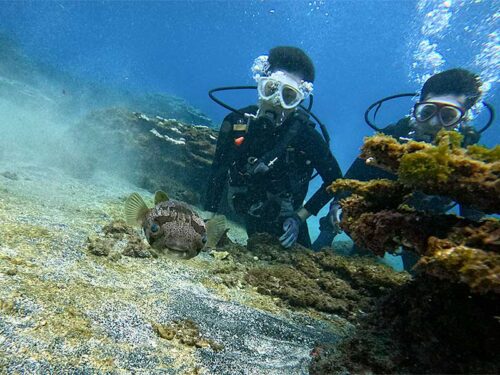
(305, 280)
(153, 152)
(445, 320)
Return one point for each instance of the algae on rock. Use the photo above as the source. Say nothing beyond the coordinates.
(445, 320)
(321, 281)
(468, 176)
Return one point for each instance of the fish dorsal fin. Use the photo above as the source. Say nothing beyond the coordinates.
(135, 209)
(216, 227)
(160, 196)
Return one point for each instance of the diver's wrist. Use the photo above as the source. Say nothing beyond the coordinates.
(302, 214)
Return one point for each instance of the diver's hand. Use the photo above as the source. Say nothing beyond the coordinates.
(291, 227)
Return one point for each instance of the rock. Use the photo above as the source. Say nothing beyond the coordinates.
(219, 255)
(155, 153)
(7, 305)
(118, 227)
(187, 333)
(137, 248)
(11, 272)
(99, 246)
(115, 256)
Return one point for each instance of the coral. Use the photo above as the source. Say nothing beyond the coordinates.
(470, 177)
(454, 248)
(446, 319)
(386, 230)
(425, 326)
(485, 235)
(378, 193)
(485, 154)
(479, 269)
(386, 152)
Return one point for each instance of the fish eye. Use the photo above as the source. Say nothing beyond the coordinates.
(204, 238)
(154, 228)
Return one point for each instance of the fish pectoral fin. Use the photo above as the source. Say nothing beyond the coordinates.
(135, 209)
(160, 196)
(216, 227)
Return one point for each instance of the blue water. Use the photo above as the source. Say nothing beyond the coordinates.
(362, 49)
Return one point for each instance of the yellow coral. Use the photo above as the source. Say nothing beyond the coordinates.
(442, 169)
(484, 154)
(477, 268)
(425, 165)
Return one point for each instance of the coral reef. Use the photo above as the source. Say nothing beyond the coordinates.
(470, 177)
(479, 269)
(377, 218)
(446, 319)
(425, 326)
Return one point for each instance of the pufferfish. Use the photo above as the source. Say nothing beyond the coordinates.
(172, 226)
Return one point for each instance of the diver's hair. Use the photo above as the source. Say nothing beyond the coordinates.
(292, 60)
(454, 81)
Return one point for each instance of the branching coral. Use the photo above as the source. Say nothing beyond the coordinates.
(378, 193)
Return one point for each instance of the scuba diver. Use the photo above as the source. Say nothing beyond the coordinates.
(267, 152)
(445, 101)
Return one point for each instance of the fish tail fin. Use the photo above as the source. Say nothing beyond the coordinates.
(135, 209)
(216, 227)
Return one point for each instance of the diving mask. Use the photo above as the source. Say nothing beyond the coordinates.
(447, 113)
(281, 88)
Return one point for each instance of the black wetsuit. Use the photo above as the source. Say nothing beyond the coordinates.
(293, 151)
